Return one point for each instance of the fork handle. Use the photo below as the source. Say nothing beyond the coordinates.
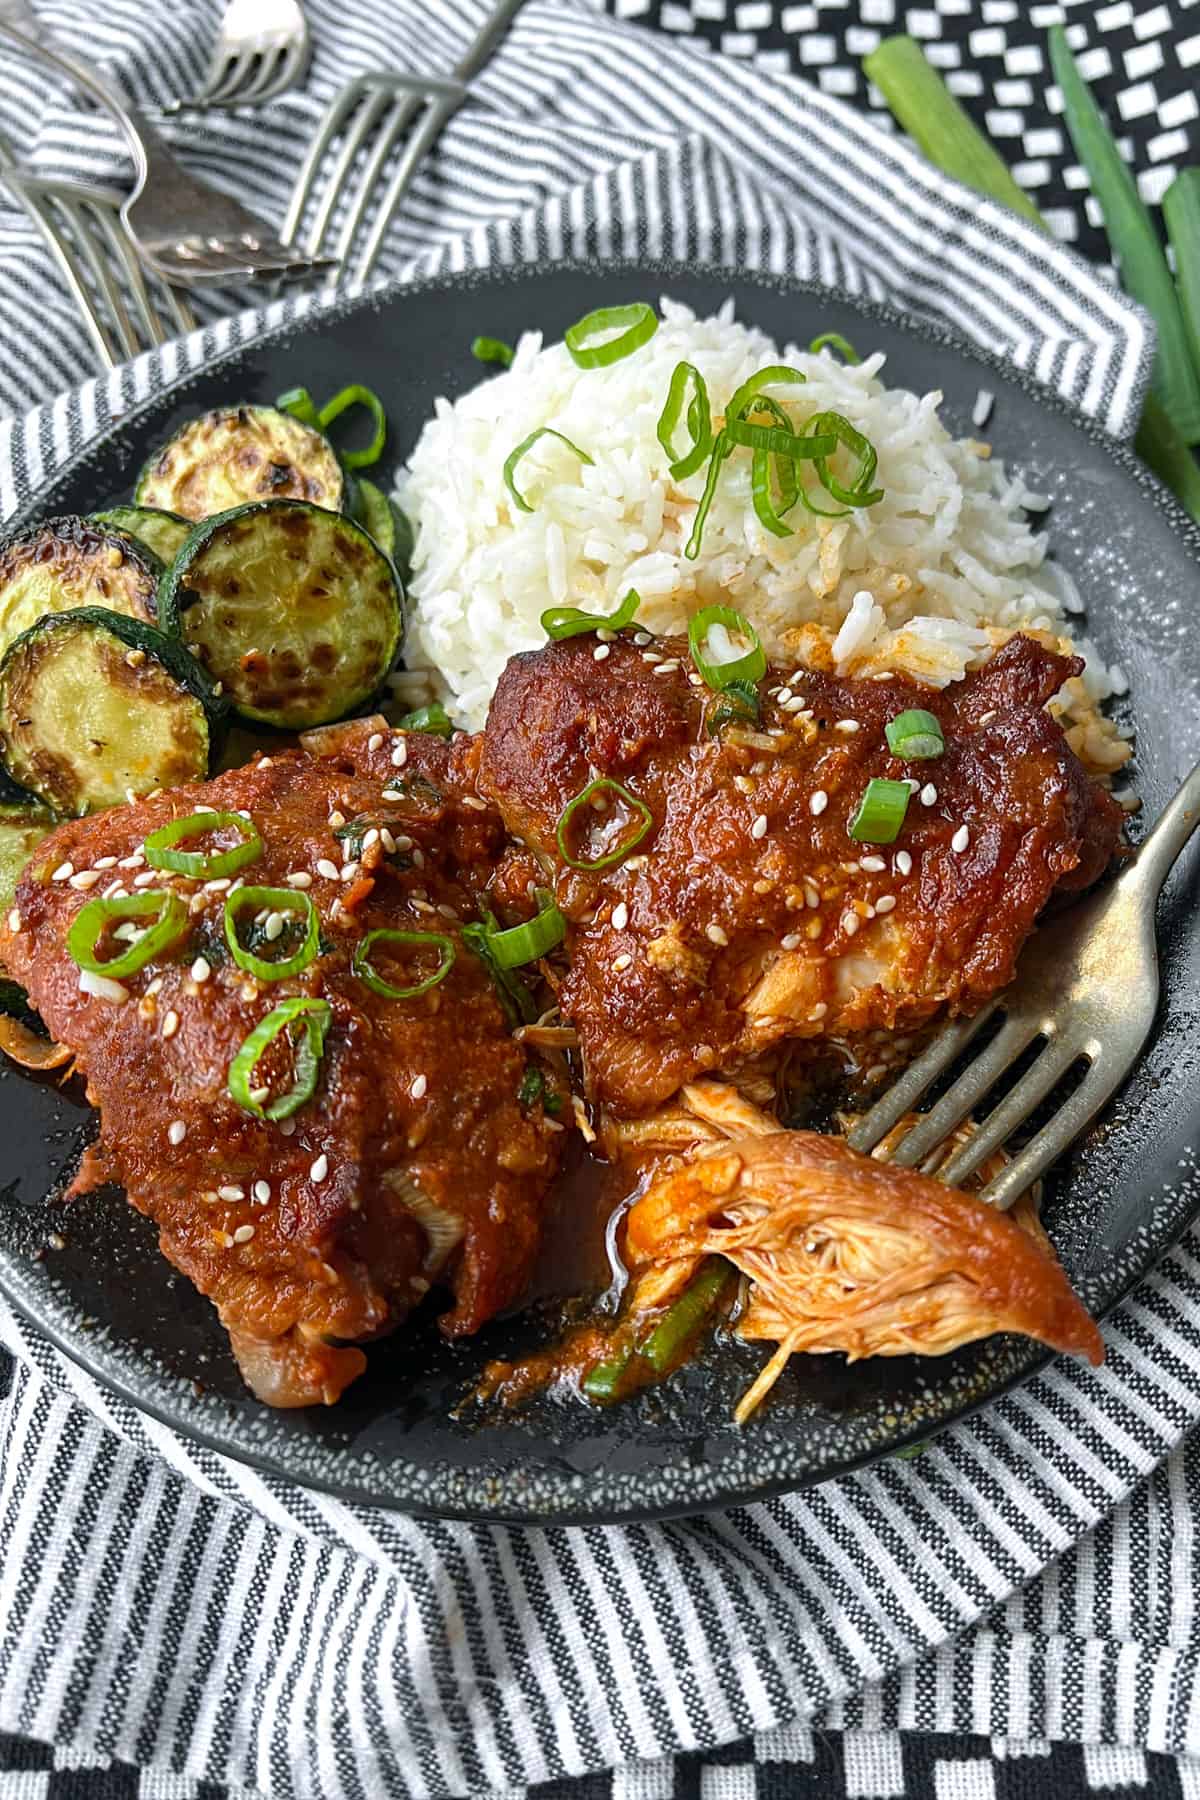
(135, 129)
(1161, 850)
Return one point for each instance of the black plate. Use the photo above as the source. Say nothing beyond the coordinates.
(111, 1301)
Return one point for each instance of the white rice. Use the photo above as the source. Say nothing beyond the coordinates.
(929, 581)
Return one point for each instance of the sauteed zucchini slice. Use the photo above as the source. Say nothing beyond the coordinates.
(294, 610)
(241, 453)
(66, 563)
(162, 532)
(22, 829)
(387, 524)
(95, 706)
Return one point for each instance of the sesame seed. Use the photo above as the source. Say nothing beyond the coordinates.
(874, 865)
(375, 741)
(419, 1087)
(146, 878)
(885, 903)
(784, 695)
(447, 911)
(132, 862)
(716, 935)
(196, 904)
(601, 651)
(642, 637)
(211, 809)
(328, 869)
(400, 754)
(273, 926)
(696, 680)
(337, 818)
(105, 862)
(176, 1131)
(651, 656)
(960, 840)
(201, 969)
(797, 704)
(287, 1127)
(928, 794)
(391, 794)
(153, 987)
(14, 920)
(243, 1234)
(101, 987)
(249, 990)
(266, 762)
(115, 891)
(418, 857)
(622, 962)
(987, 717)
(170, 1024)
(818, 802)
(791, 941)
(231, 1193)
(759, 827)
(370, 837)
(475, 803)
(387, 840)
(669, 667)
(260, 1094)
(850, 923)
(420, 905)
(320, 1168)
(819, 1010)
(223, 1240)
(64, 872)
(811, 896)
(299, 878)
(218, 886)
(903, 863)
(605, 635)
(847, 725)
(262, 1192)
(620, 917)
(348, 871)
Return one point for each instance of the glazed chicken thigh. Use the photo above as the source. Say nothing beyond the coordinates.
(745, 914)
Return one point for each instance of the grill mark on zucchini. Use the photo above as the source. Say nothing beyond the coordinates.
(161, 532)
(65, 563)
(94, 705)
(293, 609)
(22, 829)
(237, 454)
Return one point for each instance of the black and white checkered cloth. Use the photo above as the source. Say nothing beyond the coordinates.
(1031, 1577)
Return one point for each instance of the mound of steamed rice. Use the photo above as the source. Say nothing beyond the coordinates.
(928, 582)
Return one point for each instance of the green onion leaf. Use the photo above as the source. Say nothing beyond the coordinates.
(492, 350)
(836, 341)
(603, 1379)
(571, 621)
(533, 1084)
(299, 402)
(699, 421)
(525, 943)
(161, 852)
(750, 666)
(739, 700)
(774, 375)
(720, 450)
(517, 1003)
(641, 822)
(683, 1319)
(313, 1018)
(523, 449)
(92, 921)
(782, 442)
(915, 735)
(880, 811)
(1181, 210)
(1134, 240)
(859, 492)
(764, 500)
(432, 718)
(276, 900)
(634, 325)
(362, 966)
(357, 395)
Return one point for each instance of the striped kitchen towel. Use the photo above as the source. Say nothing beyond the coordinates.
(168, 1606)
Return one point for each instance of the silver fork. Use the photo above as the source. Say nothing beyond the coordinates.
(262, 49)
(1088, 985)
(81, 226)
(180, 227)
(362, 125)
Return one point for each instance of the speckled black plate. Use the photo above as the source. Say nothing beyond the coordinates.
(1115, 1205)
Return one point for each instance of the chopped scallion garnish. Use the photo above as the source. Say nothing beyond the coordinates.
(433, 719)
(523, 449)
(492, 350)
(915, 735)
(880, 811)
(774, 375)
(516, 1001)
(91, 924)
(314, 1018)
(642, 820)
(634, 326)
(524, 943)
(699, 421)
(272, 900)
(837, 342)
(299, 402)
(362, 966)
(739, 700)
(161, 852)
(859, 492)
(750, 666)
(781, 441)
(720, 450)
(571, 621)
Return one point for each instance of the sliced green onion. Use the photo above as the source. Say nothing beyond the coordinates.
(571, 621)
(603, 1379)
(1160, 445)
(860, 492)
(634, 324)
(880, 811)
(699, 421)
(492, 350)
(641, 824)
(915, 735)
(739, 700)
(313, 1017)
(680, 1323)
(1181, 210)
(517, 1003)
(92, 921)
(361, 965)
(781, 442)
(774, 375)
(523, 449)
(357, 395)
(533, 1086)
(764, 500)
(836, 341)
(299, 402)
(432, 718)
(525, 943)
(1133, 237)
(720, 450)
(161, 852)
(751, 666)
(939, 126)
(278, 900)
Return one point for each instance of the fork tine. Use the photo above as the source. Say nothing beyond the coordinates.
(290, 70)
(360, 126)
(338, 110)
(97, 265)
(1015, 1035)
(423, 139)
(1098, 1085)
(233, 74)
(382, 148)
(1044, 1075)
(904, 1094)
(121, 252)
(264, 81)
(64, 257)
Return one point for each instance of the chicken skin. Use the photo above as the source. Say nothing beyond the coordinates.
(745, 914)
(415, 1159)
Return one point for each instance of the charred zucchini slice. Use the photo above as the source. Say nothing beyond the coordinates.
(161, 532)
(387, 524)
(95, 706)
(241, 453)
(294, 610)
(22, 829)
(66, 563)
